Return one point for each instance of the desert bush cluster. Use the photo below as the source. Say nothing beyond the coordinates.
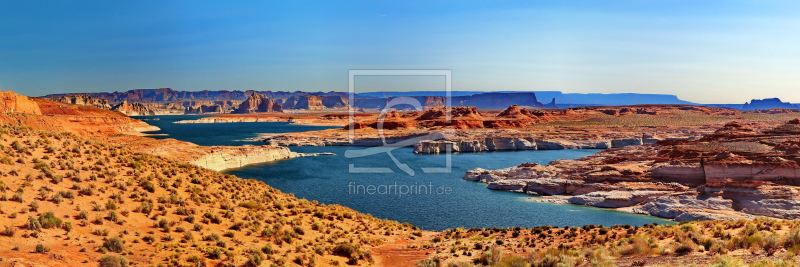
(758, 242)
(119, 207)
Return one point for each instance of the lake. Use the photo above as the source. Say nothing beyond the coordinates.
(431, 201)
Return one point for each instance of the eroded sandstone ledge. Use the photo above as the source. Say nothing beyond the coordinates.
(735, 172)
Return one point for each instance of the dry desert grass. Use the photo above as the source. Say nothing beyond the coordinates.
(68, 200)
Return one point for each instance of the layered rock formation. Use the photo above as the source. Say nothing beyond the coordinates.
(232, 119)
(133, 109)
(83, 100)
(258, 103)
(84, 120)
(11, 102)
(114, 127)
(504, 143)
(735, 172)
(482, 101)
(315, 102)
(221, 158)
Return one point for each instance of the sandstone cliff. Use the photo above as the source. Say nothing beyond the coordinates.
(734, 172)
(84, 100)
(113, 127)
(307, 102)
(258, 103)
(133, 109)
(11, 102)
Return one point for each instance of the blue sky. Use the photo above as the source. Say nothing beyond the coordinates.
(702, 51)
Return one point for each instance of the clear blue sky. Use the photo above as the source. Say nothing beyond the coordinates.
(702, 51)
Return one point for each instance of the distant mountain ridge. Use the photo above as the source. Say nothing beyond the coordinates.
(755, 104)
(169, 101)
(165, 95)
(564, 100)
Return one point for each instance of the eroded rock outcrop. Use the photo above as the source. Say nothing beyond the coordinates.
(221, 158)
(307, 102)
(734, 172)
(133, 109)
(83, 100)
(258, 103)
(11, 102)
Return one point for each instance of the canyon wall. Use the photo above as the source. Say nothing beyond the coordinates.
(258, 103)
(502, 143)
(83, 100)
(481, 101)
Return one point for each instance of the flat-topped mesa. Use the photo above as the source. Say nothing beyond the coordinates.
(133, 109)
(314, 102)
(258, 103)
(11, 102)
(767, 103)
(83, 100)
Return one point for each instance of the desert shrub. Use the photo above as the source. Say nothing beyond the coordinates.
(254, 259)
(214, 253)
(34, 205)
(684, 247)
(793, 238)
(600, 257)
(718, 249)
(57, 198)
(516, 261)
(251, 205)
(146, 207)
(113, 261)
(491, 257)
(114, 244)
(346, 250)
(748, 230)
(49, 220)
(42, 249)
(635, 246)
(9, 231)
(727, 261)
(17, 197)
(101, 232)
(770, 243)
(111, 204)
(428, 263)
(34, 224)
(147, 185)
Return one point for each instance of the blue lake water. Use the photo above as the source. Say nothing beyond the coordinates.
(431, 201)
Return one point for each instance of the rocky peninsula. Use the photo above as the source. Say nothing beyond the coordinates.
(735, 172)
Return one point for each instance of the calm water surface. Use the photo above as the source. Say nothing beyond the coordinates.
(451, 203)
